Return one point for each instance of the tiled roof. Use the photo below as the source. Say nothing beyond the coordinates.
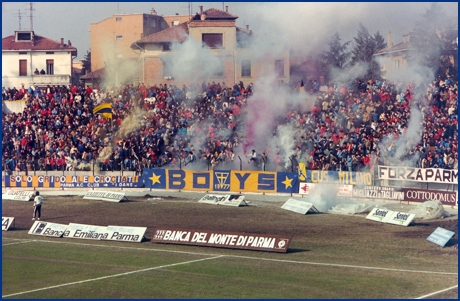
(40, 43)
(94, 75)
(178, 33)
(213, 13)
(404, 46)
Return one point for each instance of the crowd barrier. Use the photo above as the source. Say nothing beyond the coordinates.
(347, 183)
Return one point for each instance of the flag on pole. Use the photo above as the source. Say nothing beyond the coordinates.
(105, 109)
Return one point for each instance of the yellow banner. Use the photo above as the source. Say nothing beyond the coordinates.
(253, 181)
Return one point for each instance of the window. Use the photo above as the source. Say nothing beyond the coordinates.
(24, 36)
(22, 67)
(49, 66)
(119, 37)
(166, 46)
(246, 68)
(50, 52)
(118, 19)
(212, 40)
(396, 65)
(22, 52)
(162, 24)
(279, 68)
(174, 23)
(153, 23)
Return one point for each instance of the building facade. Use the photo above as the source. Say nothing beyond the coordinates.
(25, 54)
(112, 37)
(393, 57)
(219, 51)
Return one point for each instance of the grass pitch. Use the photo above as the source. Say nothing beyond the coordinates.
(330, 256)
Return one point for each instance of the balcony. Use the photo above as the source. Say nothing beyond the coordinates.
(55, 79)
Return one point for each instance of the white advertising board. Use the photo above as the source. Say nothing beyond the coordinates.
(129, 234)
(83, 231)
(7, 222)
(18, 195)
(432, 175)
(233, 200)
(391, 217)
(342, 190)
(379, 215)
(104, 196)
(400, 218)
(299, 206)
(48, 229)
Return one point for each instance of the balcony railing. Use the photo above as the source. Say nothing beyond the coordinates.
(54, 79)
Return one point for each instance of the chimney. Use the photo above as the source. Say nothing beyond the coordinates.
(68, 43)
(390, 41)
(226, 8)
(247, 27)
(62, 41)
(201, 9)
(153, 12)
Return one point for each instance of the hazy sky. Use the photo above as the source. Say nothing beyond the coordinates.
(302, 24)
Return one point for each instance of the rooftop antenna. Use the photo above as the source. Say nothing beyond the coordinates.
(19, 16)
(223, 8)
(31, 16)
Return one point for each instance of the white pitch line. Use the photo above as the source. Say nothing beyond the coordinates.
(17, 243)
(345, 265)
(254, 258)
(441, 291)
(111, 276)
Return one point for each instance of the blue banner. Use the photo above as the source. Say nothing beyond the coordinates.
(222, 180)
(287, 182)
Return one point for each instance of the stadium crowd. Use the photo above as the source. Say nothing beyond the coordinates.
(346, 129)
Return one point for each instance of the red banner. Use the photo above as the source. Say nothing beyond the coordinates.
(422, 195)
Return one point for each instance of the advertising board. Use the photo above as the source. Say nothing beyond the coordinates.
(47, 229)
(18, 195)
(83, 231)
(342, 190)
(109, 196)
(379, 215)
(440, 236)
(422, 195)
(7, 222)
(391, 217)
(259, 242)
(128, 234)
(432, 175)
(378, 192)
(400, 218)
(299, 206)
(234, 200)
(64, 181)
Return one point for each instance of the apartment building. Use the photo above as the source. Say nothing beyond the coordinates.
(111, 38)
(24, 54)
(224, 46)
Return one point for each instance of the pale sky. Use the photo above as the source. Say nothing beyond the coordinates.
(305, 25)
